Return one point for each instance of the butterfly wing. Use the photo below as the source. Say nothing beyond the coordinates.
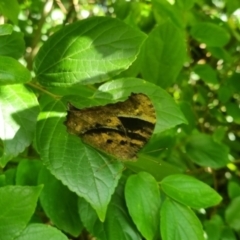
(120, 129)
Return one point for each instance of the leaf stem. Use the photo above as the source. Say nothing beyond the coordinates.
(43, 90)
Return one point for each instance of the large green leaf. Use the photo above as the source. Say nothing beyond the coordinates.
(12, 72)
(83, 169)
(178, 222)
(17, 205)
(163, 55)
(18, 115)
(190, 191)
(117, 225)
(143, 202)
(88, 51)
(56, 196)
(89, 172)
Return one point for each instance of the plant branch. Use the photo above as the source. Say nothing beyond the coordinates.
(38, 32)
(43, 90)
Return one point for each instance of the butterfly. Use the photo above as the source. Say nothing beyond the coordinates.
(120, 129)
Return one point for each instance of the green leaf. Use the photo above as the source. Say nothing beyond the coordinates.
(38, 231)
(27, 172)
(12, 45)
(204, 151)
(17, 205)
(210, 34)
(83, 169)
(87, 52)
(51, 134)
(190, 191)
(10, 9)
(117, 225)
(178, 222)
(59, 204)
(168, 113)
(206, 73)
(143, 202)
(232, 214)
(12, 72)
(163, 55)
(6, 29)
(18, 115)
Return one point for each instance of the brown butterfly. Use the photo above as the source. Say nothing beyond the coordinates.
(120, 129)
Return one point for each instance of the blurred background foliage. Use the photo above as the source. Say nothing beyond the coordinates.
(207, 87)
